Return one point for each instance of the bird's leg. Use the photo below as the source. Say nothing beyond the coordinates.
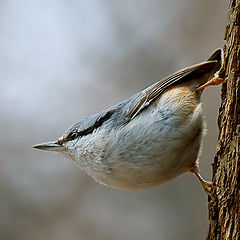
(216, 80)
(207, 186)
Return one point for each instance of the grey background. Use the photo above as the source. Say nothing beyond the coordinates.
(63, 60)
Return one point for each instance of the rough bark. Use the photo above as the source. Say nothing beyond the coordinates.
(224, 208)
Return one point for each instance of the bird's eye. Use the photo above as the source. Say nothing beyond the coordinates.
(73, 136)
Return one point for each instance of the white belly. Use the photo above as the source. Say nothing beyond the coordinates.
(156, 146)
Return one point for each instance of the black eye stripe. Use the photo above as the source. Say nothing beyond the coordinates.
(72, 136)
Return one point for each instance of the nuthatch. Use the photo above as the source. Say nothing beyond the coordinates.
(147, 139)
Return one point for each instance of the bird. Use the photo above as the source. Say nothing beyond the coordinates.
(148, 139)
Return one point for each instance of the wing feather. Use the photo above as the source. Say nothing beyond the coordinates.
(151, 93)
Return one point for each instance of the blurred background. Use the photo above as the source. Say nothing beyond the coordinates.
(63, 60)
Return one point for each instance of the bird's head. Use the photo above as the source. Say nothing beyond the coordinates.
(65, 144)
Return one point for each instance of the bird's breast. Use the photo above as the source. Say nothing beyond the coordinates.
(157, 145)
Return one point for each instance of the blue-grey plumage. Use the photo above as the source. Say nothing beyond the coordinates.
(149, 138)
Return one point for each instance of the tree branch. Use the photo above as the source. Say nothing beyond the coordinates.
(224, 210)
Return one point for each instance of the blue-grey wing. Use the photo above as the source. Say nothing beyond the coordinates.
(149, 94)
(131, 107)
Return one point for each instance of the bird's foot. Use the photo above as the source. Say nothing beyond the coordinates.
(207, 186)
(216, 80)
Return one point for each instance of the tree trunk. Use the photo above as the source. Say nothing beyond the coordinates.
(224, 208)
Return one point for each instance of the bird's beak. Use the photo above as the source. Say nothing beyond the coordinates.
(49, 146)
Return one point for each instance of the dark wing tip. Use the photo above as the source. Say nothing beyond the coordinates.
(216, 56)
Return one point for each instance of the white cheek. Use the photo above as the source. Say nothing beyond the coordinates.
(87, 150)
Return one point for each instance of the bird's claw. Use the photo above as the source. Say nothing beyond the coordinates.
(216, 80)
